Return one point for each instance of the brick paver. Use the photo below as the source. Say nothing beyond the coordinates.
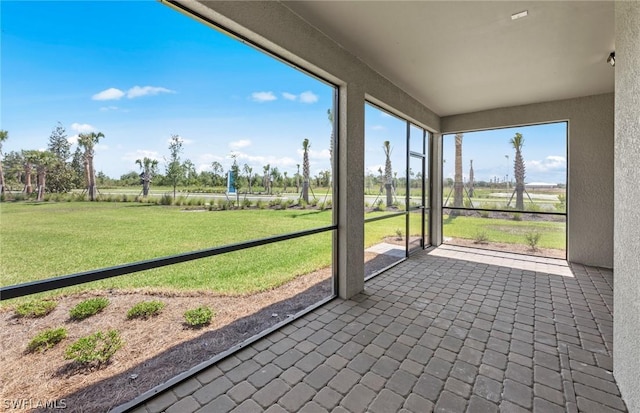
(451, 330)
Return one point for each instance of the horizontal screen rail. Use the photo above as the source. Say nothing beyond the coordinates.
(40, 286)
(396, 214)
(510, 211)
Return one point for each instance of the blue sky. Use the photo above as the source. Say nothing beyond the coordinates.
(140, 71)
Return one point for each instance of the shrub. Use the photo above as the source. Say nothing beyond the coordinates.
(517, 216)
(47, 339)
(246, 203)
(225, 205)
(260, 204)
(89, 307)
(562, 204)
(533, 208)
(484, 214)
(275, 203)
(35, 308)
(533, 238)
(96, 348)
(145, 309)
(287, 203)
(480, 238)
(398, 232)
(198, 317)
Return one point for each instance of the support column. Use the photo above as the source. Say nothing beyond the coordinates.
(626, 260)
(351, 191)
(435, 164)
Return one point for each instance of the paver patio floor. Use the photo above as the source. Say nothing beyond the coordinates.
(452, 330)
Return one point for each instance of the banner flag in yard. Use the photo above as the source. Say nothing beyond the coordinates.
(231, 187)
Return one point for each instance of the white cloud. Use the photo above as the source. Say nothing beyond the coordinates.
(135, 92)
(550, 163)
(184, 141)
(259, 161)
(138, 91)
(79, 128)
(378, 127)
(374, 169)
(308, 97)
(140, 154)
(108, 108)
(289, 96)
(109, 94)
(242, 143)
(313, 154)
(203, 162)
(263, 96)
(82, 127)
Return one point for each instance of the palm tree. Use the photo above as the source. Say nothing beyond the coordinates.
(471, 177)
(331, 143)
(266, 178)
(305, 170)
(457, 183)
(149, 169)
(4, 135)
(28, 158)
(275, 176)
(388, 173)
(43, 160)
(298, 179)
(88, 141)
(248, 171)
(518, 169)
(285, 181)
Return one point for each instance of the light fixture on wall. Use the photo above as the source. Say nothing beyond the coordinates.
(612, 59)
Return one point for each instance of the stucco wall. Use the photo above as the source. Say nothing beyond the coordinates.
(626, 278)
(590, 163)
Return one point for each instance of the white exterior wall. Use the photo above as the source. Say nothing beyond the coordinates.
(626, 276)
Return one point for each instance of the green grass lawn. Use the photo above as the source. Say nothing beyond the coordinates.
(553, 234)
(42, 240)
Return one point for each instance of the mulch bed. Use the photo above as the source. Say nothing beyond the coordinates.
(155, 350)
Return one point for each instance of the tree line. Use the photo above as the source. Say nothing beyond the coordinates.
(55, 169)
(59, 170)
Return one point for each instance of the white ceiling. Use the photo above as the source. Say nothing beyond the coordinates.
(460, 57)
